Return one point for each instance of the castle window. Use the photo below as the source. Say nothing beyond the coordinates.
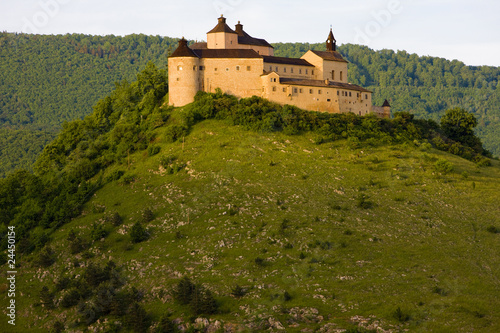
(300, 71)
(249, 68)
(328, 100)
(202, 68)
(358, 95)
(338, 93)
(276, 69)
(270, 68)
(284, 69)
(291, 70)
(333, 75)
(350, 94)
(274, 88)
(194, 68)
(310, 91)
(215, 69)
(227, 69)
(341, 76)
(319, 91)
(294, 90)
(307, 71)
(179, 68)
(284, 89)
(300, 90)
(237, 68)
(312, 72)
(366, 96)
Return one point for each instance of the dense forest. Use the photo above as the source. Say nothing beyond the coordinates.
(47, 80)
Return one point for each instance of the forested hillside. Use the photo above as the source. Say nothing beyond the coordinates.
(425, 86)
(46, 80)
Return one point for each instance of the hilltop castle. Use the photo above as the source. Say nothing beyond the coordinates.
(245, 66)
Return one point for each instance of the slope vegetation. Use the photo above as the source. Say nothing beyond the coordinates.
(244, 215)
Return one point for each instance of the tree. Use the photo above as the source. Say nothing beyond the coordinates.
(138, 233)
(458, 124)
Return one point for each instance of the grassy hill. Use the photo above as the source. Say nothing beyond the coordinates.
(286, 230)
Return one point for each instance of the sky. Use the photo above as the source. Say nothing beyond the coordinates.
(466, 30)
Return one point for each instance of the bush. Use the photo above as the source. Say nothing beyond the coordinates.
(400, 315)
(287, 297)
(166, 325)
(137, 318)
(238, 291)
(138, 233)
(115, 219)
(98, 232)
(46, 257)
(70, 298)
(363, 202)
(175, 132)
(184, 290)
(147, 215)
(203, 301)
(153, 150)
(493, 229)
(443, 166)
(46, 298)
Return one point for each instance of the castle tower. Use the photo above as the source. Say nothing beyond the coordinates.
(331, 43)
(222, 36)
(183, 71)
(387, 109)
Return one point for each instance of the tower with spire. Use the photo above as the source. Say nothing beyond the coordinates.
(331, 43)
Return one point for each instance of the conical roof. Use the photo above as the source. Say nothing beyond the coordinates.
(183, 50)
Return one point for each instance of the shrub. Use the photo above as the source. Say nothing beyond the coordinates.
(174, 132)
(493, 229)
(138, 233)
(115, 219)
(70, 298)
(363, 202)
(46, 257)
(147, 215)
(166, 161)
(98, 232)
(137, 318)
(115, 175)
(153, 150)
(77, 245)
(287, 297)
(166, 325)
(184, 290)
(400, 315)
(46, 298)
(238, 291)
(203, 301)
(259, 261)
(443, 166)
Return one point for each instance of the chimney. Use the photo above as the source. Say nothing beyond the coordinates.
(239, 29)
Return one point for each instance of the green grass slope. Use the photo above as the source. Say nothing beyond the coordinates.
(320, 237)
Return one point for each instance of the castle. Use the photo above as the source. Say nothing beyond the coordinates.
(244, 66)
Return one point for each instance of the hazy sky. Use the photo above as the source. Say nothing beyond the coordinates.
(467, 30)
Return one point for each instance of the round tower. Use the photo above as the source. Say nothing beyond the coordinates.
(183, 75)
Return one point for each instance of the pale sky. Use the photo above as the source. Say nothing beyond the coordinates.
(467, 30)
